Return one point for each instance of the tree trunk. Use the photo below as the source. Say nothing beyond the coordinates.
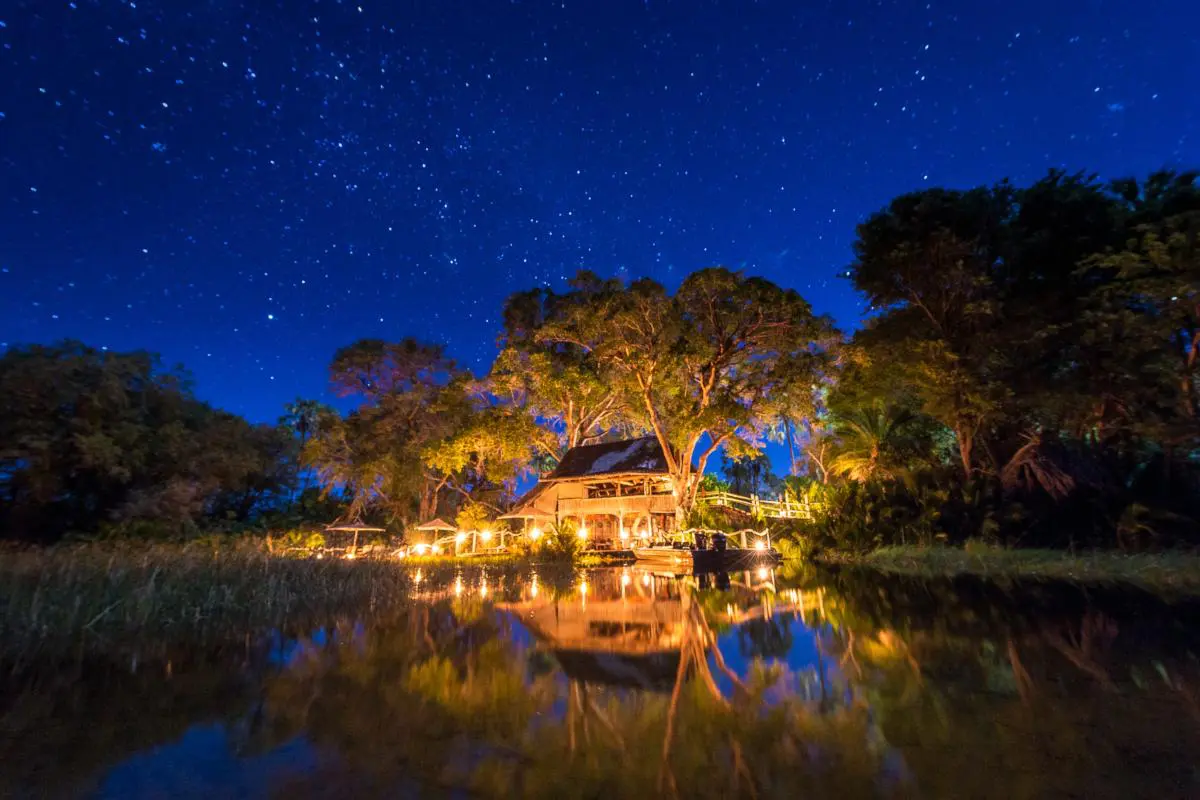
(965, 444)
(790, 433)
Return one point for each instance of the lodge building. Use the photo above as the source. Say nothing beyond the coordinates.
(618, 492)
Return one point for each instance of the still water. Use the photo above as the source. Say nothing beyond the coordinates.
(618, 682)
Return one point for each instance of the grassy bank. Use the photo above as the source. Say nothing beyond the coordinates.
(84, 597)
(1162, 573)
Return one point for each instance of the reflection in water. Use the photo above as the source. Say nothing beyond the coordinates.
(630, 683)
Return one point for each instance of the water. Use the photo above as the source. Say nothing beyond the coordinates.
(569, 683)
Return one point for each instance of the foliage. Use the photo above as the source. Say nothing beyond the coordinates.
(1049, 335)
(473, 516)
(712, 365)
(92, 439)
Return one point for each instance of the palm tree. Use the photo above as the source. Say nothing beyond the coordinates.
(305, 418)
(871, 441)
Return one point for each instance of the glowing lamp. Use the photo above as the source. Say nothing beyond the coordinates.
(763, 573)
(760, 545)
(583, 587)
(483, 589)
(437, 550)
(625, 579)
(582, 532)
(646, 579)
(460, 537)
(485, 536)
(624, 535)
(420, 549)
(535, 534)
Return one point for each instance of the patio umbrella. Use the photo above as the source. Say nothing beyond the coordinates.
(357, 528)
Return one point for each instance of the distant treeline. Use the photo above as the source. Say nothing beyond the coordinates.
(1027, 375)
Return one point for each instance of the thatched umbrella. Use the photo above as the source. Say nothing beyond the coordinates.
(435, 525)
(357, 527)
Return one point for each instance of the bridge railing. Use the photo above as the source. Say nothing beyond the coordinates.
(760, 507)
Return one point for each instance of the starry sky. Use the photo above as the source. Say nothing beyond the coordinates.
(245, 186)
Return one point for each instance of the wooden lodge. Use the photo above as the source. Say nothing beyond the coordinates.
(618, 492)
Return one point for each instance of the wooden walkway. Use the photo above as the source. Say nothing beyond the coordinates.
(756, 506)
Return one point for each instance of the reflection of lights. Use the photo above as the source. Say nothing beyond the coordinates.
(626, 580)
(583, 588)
(763, 573)
(533, 587)
(460, 537)
(483, 589)
(646, 579)
(485, 536)
(624, 534)
(535, 534)
(760, 545)
(437, 550)
(458, 587)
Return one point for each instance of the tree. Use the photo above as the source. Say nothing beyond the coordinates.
(930, 259)
(873, 442)
(555, 382)
(412, 396)
(703, 368)
(91, 439)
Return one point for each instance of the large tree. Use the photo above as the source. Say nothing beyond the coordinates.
(705, 368)
(91, 438)
(556, 382)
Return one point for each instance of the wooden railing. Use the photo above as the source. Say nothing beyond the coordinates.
(758, 507)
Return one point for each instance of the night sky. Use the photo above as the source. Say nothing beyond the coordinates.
(245, 186)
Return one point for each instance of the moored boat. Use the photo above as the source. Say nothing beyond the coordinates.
(705, 553)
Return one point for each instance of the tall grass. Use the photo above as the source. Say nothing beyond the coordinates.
(1169, 573)
(92, 596)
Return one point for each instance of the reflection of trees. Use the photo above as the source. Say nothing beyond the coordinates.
(439, 700)
(63, 725)
(989, 691)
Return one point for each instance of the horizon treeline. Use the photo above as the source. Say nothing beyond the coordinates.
(1026, 375)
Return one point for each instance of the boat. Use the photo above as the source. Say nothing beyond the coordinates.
(706, 553)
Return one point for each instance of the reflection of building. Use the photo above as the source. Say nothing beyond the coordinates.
(624, 633)
(616, 490)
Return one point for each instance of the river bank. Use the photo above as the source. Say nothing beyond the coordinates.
(1170, 574)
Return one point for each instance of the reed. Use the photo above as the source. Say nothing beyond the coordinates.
(1168, 574)
(93, 597)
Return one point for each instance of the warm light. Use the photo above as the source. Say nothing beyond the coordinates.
(460, 537)
(583, 587)
(645, 534)
(533, 587)
(582, 533)
(320, 555)
(646, 579)
(417, 577)
(625, 580)
(351, 554)
(485, 536)
(483, 589)
(760, 545)
(535, 534)
(437, 550)
(624, 534)
(420, 548)
(458, 589)
(763, 573)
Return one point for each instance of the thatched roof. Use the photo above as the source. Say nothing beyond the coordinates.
(641, 456)
(436, 524)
